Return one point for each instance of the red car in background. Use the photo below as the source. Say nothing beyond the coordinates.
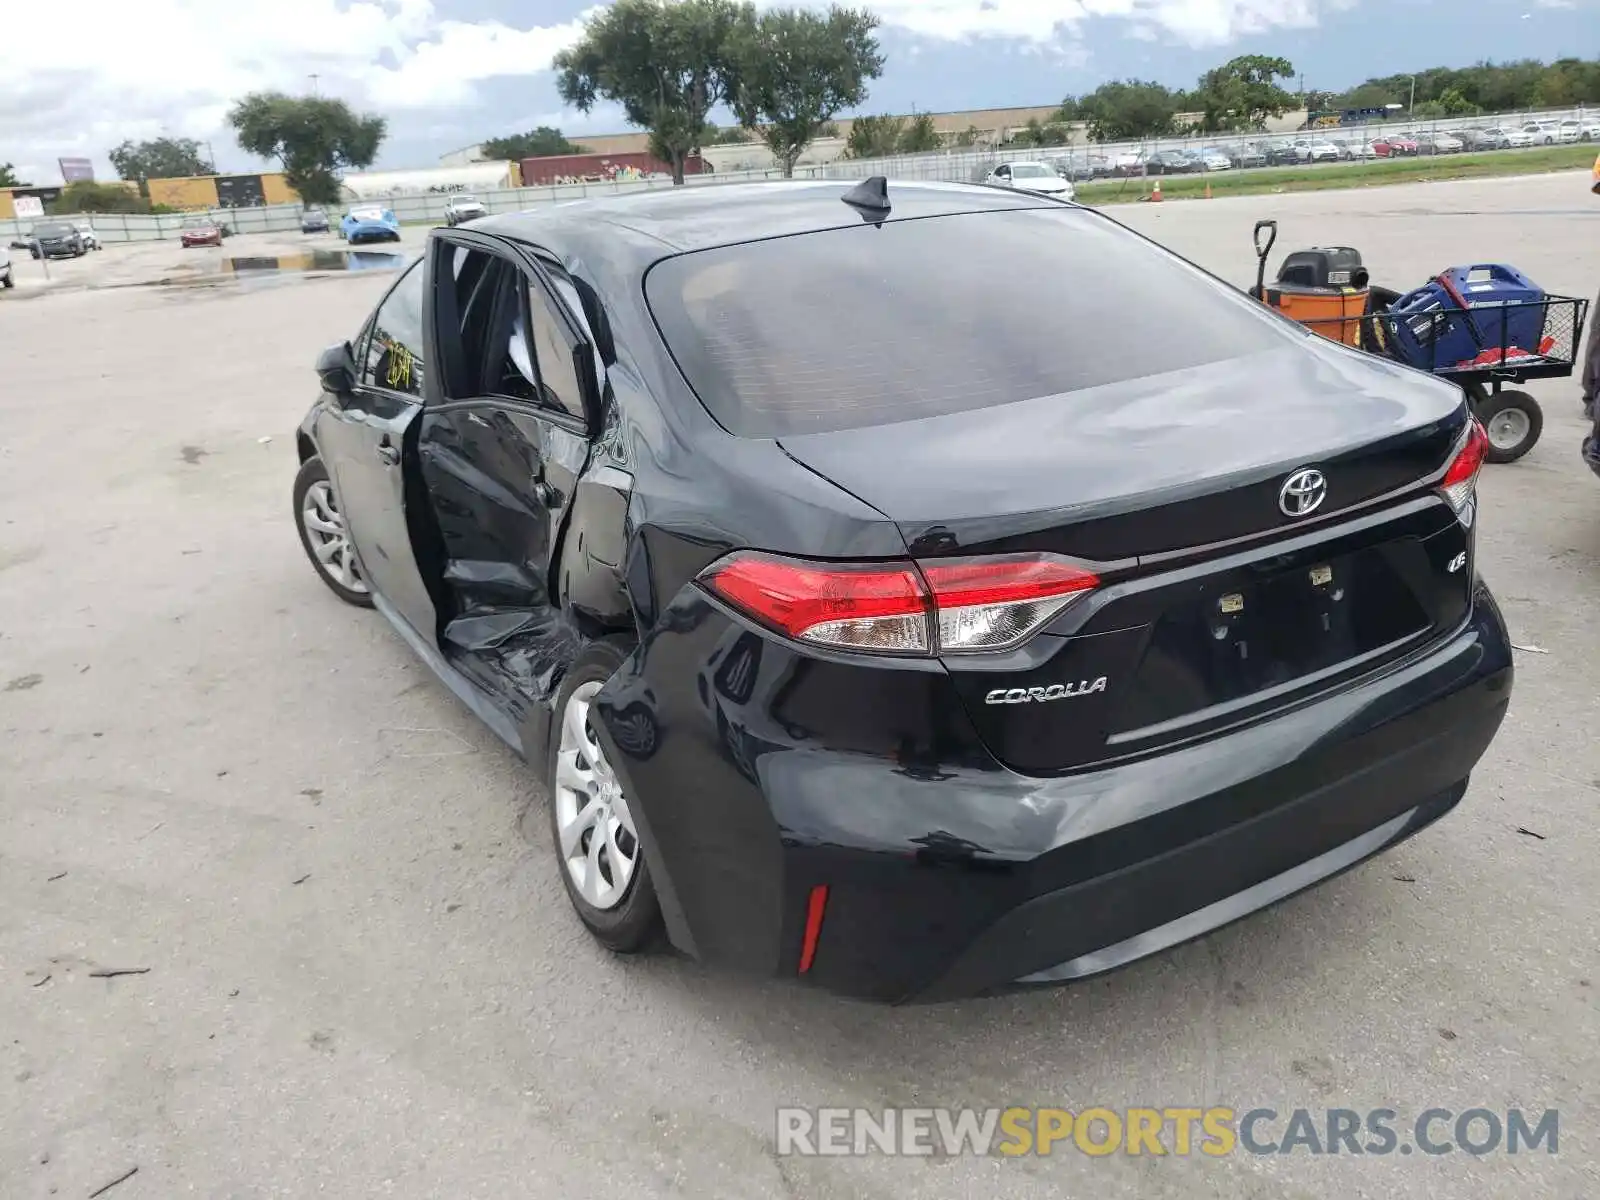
(1402, 143)
(200, 231)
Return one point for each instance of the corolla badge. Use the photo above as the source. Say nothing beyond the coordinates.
(1303, 492)
(1042, 695)
(1457, 563)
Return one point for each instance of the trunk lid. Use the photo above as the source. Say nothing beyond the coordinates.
(1151, 466)
(1215, 606)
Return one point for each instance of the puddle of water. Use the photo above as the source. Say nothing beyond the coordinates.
(317, 260)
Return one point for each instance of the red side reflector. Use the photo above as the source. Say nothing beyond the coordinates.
(814, 908)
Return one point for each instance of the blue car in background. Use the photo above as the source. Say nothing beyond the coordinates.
(370, 224)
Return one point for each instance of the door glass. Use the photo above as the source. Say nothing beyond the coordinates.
(394, 352)
(553, 349)
(478, 281)
(513, 342)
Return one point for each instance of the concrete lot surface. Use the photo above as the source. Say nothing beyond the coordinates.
(361, 981)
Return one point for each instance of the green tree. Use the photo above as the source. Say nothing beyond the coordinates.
(159, 158)
(87, 196)
(536, 143)
(1243, 93)
(966, 139)
(8, 177)
(1491, 87)
(666, 64)
(1036, 134)
(1128, 110)
(313, 137)
(795, 69)
(874, 137)
(919, 135)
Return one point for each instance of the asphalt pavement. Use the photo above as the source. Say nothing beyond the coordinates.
(358, 979)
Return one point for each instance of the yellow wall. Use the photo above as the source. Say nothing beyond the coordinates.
(8, 210)
(277, 190)
(197, 192)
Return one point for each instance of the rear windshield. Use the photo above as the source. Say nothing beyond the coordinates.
(870, 325)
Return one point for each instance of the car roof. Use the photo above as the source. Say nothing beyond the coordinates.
(651, 224)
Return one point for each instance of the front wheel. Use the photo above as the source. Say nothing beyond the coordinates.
(592, 827)
(6, 281)
(1513, 421)
(326, 537)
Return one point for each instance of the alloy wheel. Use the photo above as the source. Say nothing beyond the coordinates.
(599, 846)
(330, 541)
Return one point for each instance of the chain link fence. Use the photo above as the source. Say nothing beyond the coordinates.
(1554, 127)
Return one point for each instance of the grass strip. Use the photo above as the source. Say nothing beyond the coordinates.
(1272, 180)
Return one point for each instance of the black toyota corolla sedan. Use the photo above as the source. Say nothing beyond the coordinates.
(918, 590)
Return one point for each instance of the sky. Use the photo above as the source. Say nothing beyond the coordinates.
(449, 73)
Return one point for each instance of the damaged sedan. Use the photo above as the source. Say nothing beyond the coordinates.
(868, 626)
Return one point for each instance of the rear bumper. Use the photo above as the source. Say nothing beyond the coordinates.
(949, 876)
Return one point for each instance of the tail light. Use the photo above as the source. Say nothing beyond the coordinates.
(948, 606)
(1461, 477)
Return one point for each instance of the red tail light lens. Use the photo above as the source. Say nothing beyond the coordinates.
(954, 606)
(1461, 477)
(879, 608)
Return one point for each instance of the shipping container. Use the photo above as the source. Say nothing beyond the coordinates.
(565, 168)
(469, 177)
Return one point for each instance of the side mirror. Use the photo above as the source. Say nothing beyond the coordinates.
(336, 368)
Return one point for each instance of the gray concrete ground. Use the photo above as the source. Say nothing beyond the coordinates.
(126, 263)
(362, 982)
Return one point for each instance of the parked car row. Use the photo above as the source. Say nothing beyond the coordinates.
(1344, 145)
(59, 239)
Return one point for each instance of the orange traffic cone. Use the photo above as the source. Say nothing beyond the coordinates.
(1208, 189)
(1155, 196)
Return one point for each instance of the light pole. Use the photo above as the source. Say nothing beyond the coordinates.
(1410, 108)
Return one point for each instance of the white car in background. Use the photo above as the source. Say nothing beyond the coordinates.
(1546, 133)
(6, 279)
(1037, 177)
(1216, 160)
(463, 208)
(1315, 150)
(91, 239)
(1514, 137)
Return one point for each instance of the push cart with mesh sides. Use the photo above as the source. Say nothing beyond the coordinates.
(1483, 348)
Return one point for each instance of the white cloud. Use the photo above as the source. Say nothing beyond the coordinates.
(173, 66)
(1196, 22)
(141, 70)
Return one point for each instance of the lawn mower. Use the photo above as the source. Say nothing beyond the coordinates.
(1480, 326)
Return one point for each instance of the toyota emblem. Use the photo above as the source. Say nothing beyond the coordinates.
(1303, 493)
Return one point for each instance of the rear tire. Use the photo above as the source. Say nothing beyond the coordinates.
(1514, 422)
(625, 923)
